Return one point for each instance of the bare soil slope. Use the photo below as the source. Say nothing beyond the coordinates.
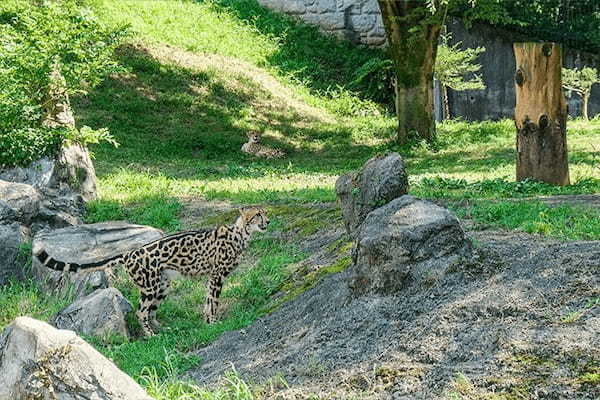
(520, 322)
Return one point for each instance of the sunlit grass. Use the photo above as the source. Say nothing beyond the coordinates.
(27, 299)
(563, 222)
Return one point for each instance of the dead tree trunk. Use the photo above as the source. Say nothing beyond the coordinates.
(57, 107)
(540, 114)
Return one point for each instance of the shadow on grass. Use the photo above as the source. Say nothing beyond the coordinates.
(182, 121)
(319, 61)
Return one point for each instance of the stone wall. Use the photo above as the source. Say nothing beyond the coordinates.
(356, 20)
(360, 22)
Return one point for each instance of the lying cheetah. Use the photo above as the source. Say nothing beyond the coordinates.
(254, 147)
(213, 252)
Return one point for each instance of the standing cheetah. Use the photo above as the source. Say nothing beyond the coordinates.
(213, 252)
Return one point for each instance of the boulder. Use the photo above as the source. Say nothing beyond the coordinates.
(72, 170)
(60, 208)
(380, 180)
(85, 244)
(12, 237)
(408, 241)
(40, 362)
(97, 314)
(18, 202)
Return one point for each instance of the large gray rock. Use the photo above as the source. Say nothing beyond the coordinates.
(380, 180)
(97, 314)
(18, 202)
(85, 244)
(12, 237)
(72, 169)
(408, 241)
(40, 362)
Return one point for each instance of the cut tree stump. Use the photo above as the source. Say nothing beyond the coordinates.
(541, 114)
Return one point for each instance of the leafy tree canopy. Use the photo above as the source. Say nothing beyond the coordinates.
(456, 68)
(575, 23)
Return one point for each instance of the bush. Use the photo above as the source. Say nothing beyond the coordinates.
(22, 146)
(38, 38)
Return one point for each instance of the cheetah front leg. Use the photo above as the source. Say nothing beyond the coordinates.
(147, 306)
(212, 298)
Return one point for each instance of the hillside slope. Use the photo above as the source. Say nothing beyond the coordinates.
(520, 323)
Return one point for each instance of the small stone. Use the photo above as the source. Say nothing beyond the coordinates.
(97, 314)
(18, 202)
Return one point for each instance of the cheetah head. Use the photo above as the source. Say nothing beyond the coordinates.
(255, 218)
(253, 137)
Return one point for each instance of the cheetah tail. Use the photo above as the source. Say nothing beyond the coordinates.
(51, 263)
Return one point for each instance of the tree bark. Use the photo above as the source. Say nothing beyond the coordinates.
(540, 114)
(586, 99)
(446, 102)
(57, 107)
(413, 32)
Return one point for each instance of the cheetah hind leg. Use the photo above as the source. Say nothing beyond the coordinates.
(162, 294)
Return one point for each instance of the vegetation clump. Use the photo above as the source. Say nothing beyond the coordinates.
(40, 40)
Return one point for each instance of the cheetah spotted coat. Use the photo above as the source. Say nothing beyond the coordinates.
(212, 252)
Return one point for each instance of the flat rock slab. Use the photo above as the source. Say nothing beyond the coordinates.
(102, 312)
(40, 362)
(85, 244)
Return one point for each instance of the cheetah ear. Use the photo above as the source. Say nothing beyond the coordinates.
(244, 212)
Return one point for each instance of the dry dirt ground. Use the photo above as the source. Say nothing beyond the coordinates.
(522, 321)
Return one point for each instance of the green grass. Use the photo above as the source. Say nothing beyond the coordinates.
(181, 114)
(27, 299)
(245, 295)
(563, 222)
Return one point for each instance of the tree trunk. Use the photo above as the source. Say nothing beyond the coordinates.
(540, 114)
(413, 33)
(57, 107)
(586, 100)
(446, 102)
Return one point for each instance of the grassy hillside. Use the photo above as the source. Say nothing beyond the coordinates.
(181, 117)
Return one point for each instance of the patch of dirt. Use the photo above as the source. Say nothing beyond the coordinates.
(518, 321)
(582, 200)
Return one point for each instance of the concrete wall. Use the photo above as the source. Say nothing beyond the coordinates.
(498, 67)
(360, 21)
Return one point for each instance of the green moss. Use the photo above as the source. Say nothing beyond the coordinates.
(301, 221)
(294, 288)
(591, 378)
(306, 223)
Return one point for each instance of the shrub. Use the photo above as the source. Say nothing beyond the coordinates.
(37, 38)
